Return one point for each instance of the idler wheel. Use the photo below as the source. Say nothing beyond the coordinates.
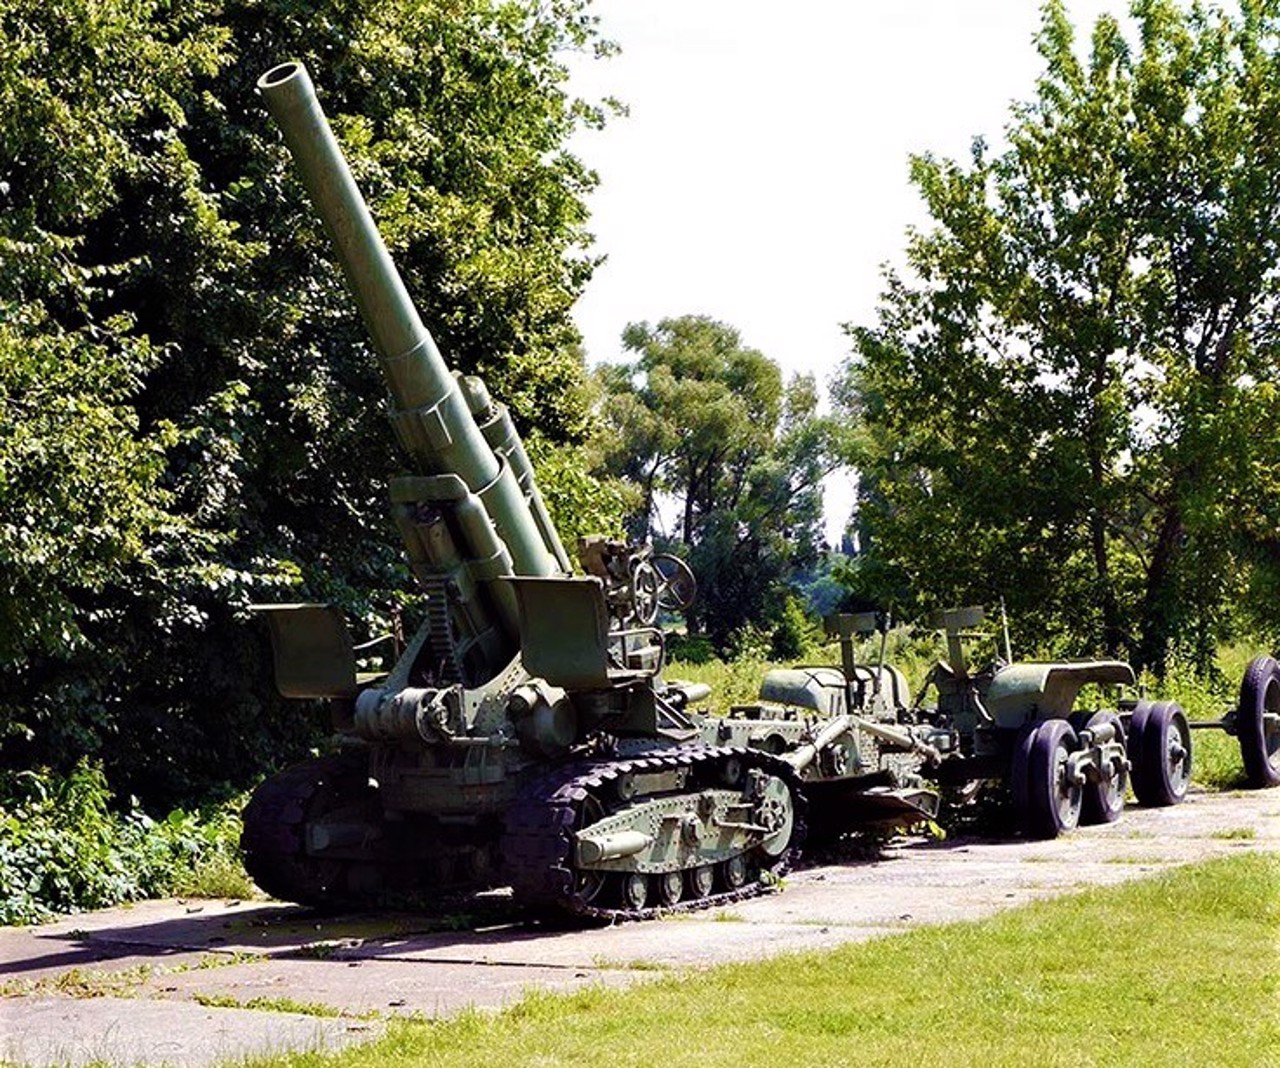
(588, 883)
(775, 811)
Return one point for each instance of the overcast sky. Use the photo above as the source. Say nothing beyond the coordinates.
(761, 176)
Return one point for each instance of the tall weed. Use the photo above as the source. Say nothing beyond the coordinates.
(63, 848)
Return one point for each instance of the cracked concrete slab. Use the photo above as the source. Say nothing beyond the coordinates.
(142, 1031)
(152, 964)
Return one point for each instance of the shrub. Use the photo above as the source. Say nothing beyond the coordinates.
(796, 634)
(690, 648)
(63, 848)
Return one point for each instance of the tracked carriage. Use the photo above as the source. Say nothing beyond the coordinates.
(526, 735)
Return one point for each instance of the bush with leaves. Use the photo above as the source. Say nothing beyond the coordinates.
(63, 848)
(1068, 400)
(189, 416)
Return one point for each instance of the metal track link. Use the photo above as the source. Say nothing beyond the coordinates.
(274, 842)
(539, 839)
(274, 835)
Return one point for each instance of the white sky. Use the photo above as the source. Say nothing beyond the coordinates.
(761, 176)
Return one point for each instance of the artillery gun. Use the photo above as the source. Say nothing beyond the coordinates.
(1016, 726)
(526, 735)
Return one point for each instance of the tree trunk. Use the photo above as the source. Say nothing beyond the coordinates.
(1113, 636)
(1153, 650)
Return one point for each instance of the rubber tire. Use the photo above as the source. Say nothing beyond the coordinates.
(1079, 720)
(1046, 817)
(1018, 776)
(1099, 804)
(1133, 743)
(1259, 692)
(1157, 785)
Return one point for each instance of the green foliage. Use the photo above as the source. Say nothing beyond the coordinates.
(62, 848)
(703, 420)
(1068, 402)
(690, 648)
(796, 634)
(188, 412)
(580, 500)
(83, 503)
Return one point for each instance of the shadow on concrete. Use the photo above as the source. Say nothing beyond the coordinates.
(461, 929)
(84, 954)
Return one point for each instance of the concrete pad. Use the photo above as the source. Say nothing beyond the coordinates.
(130, 1031)
(393, 987)
(168, 953)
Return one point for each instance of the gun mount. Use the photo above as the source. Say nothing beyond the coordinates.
(1022, 732)
(526, 735)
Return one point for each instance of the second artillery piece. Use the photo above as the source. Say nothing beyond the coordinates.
(1020, 729)
(526, 735)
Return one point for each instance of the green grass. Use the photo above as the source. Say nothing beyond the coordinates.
(217, 876)
(84, 983)
(301, 1008)
(1236, 834)
(732, 682)
(1178, 969)
(124, 983)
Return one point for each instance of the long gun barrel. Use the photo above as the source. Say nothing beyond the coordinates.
(459, 462)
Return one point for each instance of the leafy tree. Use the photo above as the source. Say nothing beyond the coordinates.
(197, 424)
(707, 423)
(1067, 402)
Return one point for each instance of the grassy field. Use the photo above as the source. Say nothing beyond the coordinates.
(1179, 969)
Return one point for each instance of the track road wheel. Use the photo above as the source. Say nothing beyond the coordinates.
(734, 872)
(670, 887)
(1260, 739)
(1103, 801)
(1053, 799)
(701, 880)
(635, 890)
(1162, 746)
